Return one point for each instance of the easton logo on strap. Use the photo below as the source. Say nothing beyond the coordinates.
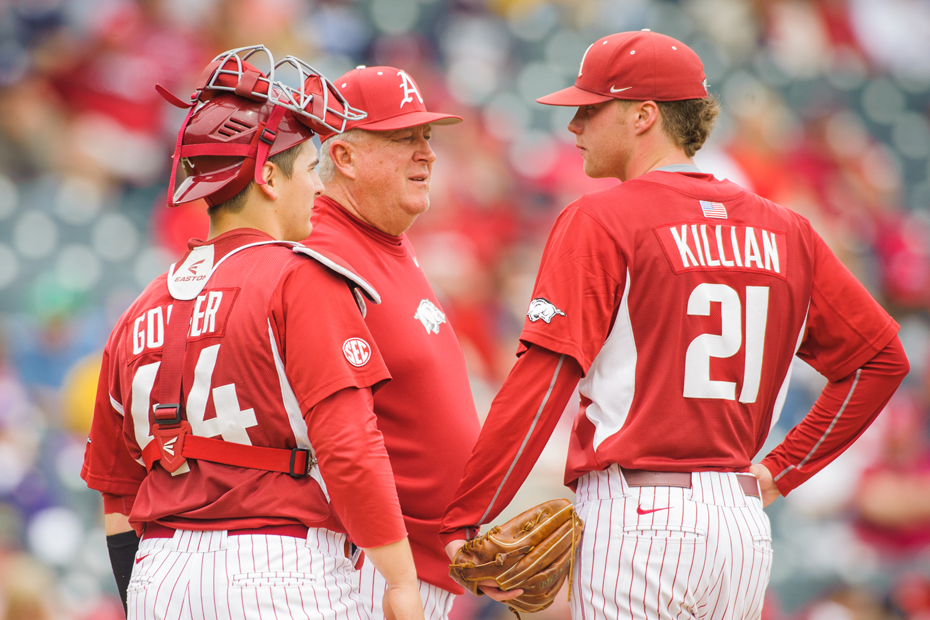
(190, 277)
(171, 442)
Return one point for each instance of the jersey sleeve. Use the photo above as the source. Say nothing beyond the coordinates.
(522, 418)
(845, 326)
(108, 466)
(581, 276)
(841, 414)
(325, 344)
(354, 464)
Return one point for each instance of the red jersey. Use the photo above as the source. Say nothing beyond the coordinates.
(426, 413)
(676, 302)
(273, 333)
(684, 299)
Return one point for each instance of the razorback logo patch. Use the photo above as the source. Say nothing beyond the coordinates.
(541, 308)
(430, 316)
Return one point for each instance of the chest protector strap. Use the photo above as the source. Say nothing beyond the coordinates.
(174, 442)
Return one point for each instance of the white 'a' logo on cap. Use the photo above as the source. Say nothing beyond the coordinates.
(581, 66)
(410, 89)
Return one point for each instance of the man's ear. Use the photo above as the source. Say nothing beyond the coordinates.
(647, 115)
(271, 174)
(342, 154)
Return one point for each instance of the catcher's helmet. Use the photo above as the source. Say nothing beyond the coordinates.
(239, 117)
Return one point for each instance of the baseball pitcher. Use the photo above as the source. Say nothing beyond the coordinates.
(676, 302)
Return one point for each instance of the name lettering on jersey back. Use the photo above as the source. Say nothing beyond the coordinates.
(208, 320)
(711, 247)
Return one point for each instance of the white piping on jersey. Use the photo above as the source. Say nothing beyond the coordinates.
(611, 381)
(526, 439)
(117, 405)
(215, 266)
(823, 438)
(142, 383)
(783, 390)
(301, 249)
(294, 415)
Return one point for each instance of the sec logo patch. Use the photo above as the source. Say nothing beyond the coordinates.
(357, 351)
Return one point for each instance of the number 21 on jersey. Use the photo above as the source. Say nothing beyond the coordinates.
(729, 342)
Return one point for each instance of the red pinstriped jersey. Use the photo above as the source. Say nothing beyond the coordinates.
(685, 319)
(272, 334)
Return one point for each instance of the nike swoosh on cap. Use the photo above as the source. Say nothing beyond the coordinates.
(618, 90)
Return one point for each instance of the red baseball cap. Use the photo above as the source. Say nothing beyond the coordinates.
(390, 97)
(638, 66)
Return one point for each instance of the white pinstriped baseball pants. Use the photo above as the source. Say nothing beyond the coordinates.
(437, 603)
(209, 575)
(668, 552)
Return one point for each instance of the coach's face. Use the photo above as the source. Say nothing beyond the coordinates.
(601, 135)
(393, 177)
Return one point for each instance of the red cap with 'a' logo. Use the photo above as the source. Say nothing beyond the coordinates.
(390, 97)
(638, 66)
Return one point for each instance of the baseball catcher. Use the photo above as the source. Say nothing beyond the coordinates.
(533, 552)
(230, 433)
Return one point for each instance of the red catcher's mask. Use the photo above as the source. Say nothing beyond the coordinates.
(239, 117)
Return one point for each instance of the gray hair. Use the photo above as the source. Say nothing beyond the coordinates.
(327, 170)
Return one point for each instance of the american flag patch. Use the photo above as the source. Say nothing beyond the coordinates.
(713, 209)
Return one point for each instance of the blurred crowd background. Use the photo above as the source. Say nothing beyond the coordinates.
(826, 106)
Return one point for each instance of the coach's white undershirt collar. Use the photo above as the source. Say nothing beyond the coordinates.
(679, 168)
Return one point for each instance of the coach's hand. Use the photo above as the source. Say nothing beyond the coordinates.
(489, 587)
(402, 597)
(402, 602)
(767, 486)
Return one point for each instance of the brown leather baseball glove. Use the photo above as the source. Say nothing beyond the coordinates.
(534, 551)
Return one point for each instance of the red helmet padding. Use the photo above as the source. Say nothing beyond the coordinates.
(223, 138)
(212, 181)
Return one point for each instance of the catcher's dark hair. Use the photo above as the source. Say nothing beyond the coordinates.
(688, 123)
(283, 160)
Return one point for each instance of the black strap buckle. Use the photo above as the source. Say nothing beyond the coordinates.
(264, 137)
(307, 466)
(160, 418)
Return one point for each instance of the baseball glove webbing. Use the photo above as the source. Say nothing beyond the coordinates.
(534, 551)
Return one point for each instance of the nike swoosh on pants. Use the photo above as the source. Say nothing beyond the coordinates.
(640, 511)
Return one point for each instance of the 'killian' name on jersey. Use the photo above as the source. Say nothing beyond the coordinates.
(705, 247)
